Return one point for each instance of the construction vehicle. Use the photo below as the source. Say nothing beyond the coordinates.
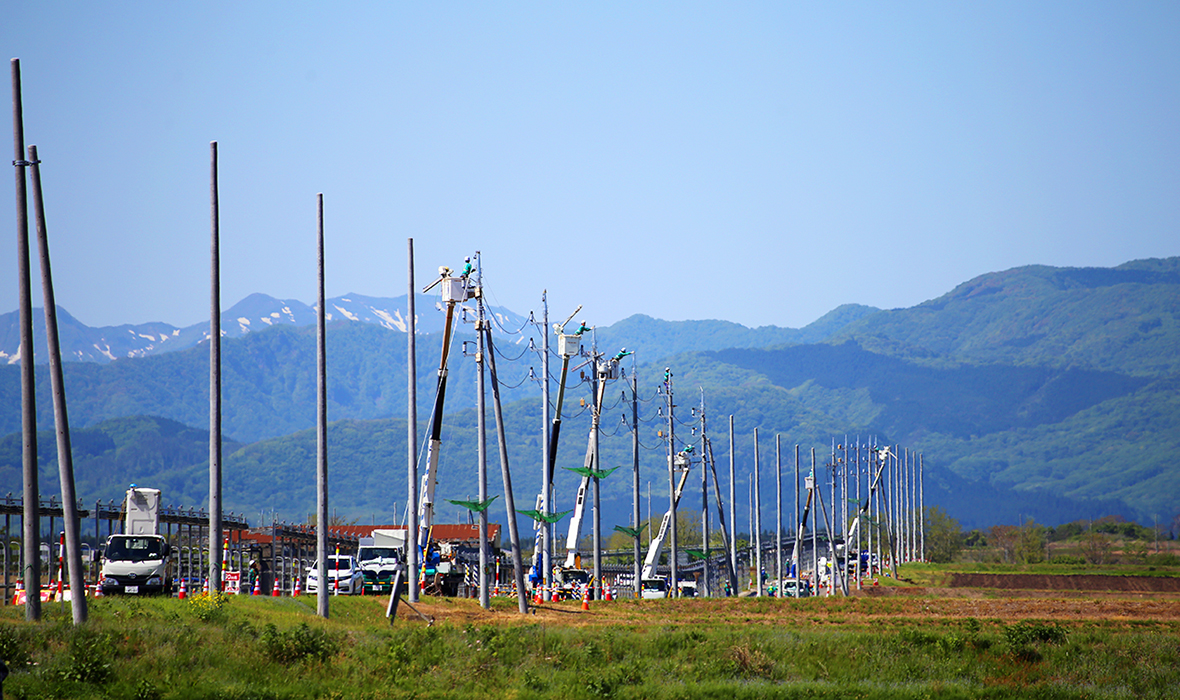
(568, 576)
(455, 290)
(568, 345)
(380, 557)
(136, 561)
(652, 586)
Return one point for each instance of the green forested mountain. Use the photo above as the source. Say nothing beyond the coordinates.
(1037, 392)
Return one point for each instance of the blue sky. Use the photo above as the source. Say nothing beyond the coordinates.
(756, 162)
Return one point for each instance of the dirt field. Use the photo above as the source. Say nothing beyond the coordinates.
(1002, 602)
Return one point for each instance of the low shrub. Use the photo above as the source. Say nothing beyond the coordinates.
(298, 643)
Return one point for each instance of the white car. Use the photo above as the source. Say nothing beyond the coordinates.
(344, 576)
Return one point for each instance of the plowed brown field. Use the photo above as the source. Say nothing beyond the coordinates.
(1002, 601)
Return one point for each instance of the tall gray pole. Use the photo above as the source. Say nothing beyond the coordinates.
(65, 462)
(321, 422)
(482, 440)
(674, 591)
(546, 487)
(704, 500)
(757, 518)
(509, 499)
(778, 509)
(595, 435)
(922, 501)
(214, 376)
(635, 470)
(797, 545)
(411, 435)
(31, 519)
(732, 509)
(814, 530)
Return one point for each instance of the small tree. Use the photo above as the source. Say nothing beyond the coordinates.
(1096, 547)
(1030, 547)
(944, 536)
(1005, 538)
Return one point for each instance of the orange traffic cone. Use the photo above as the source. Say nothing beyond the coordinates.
(276, 592)
(295, 593)
(181, 595)
(607, 593)
(98, 590)
(205, 589)
(257, 586)
(586, 597)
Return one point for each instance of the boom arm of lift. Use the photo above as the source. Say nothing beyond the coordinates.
(653, 551)
(434, 445)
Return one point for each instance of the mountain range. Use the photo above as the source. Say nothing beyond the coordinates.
(1037, 392)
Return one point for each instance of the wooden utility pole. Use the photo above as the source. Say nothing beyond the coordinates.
(214, 376)
(31, 519)
(321, 423)
(412, 436)
(65, 462)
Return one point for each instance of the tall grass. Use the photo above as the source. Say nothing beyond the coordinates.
(159, 649)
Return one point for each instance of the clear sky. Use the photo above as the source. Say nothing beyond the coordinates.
(756, 162)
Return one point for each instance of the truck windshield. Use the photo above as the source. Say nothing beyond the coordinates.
(134, 549)
(371, 553)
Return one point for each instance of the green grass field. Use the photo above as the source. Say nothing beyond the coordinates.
(865, 647)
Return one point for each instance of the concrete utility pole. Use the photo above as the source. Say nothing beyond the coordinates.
(411, 434)
(65, 462)
(796, 564)
(321, 471)
(635, 472)
(778, 509)
(704, 501)
(215, 377)
(546, 557)
(31, 519)
(733, 562)
(509, 500)
(675, 582)
(481, 427)
(757, 517)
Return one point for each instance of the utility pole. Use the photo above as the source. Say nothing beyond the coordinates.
(732, 508)
(65, 461)
(635, 472)
(757, 526)
(411, 436)
(509, 499)
(215, 381)
(481, 324)
(31, 518)
(321, 471)
(546, 486)
(778, 509)
(795, 563)
(704, 500)
(675, 587)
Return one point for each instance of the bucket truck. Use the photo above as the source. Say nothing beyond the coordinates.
(570, 576)
(455, 290)
(136, 562)
(651, 586)
(568, 345)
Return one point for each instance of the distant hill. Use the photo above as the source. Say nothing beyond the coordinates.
(1123, 319)
(1036, 392)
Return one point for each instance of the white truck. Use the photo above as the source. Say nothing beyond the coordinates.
(380, 557)
(136, 562)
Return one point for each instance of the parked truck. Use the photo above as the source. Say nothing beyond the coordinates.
(380, 558)
(136, 561)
